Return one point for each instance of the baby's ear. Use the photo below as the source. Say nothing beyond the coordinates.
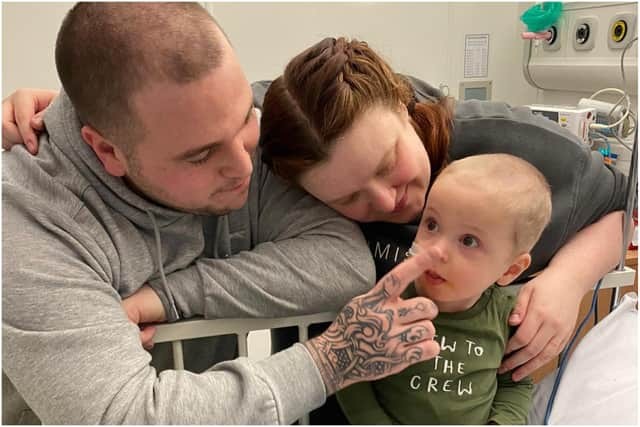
(520, 264)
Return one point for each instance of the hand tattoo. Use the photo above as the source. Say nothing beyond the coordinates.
(359, 345)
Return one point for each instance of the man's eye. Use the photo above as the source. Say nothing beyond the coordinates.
(201, 158)
(432, 225)
(469, 241)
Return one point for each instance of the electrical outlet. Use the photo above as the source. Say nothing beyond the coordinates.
(554, 42)
(584, 32)
(622, 28)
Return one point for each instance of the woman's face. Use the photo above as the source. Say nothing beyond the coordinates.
(377, 171)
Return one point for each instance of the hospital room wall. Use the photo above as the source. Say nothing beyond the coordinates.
(423, 39)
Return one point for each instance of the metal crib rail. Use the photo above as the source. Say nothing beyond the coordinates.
(200, 328)
(176, 332)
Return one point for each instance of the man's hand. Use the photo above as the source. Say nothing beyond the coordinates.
(22, 117)
(378, 334)
(144, 307)
(546, 312)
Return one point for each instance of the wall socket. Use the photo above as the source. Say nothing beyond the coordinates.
(556, 40)
(584, 33)
(621, 29)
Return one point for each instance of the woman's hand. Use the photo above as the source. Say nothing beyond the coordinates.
(144, 307)
(22, 115)
(546, 311)
(547, 306)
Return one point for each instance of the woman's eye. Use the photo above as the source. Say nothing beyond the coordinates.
(469, 241)
(352, 198)
(432, 225)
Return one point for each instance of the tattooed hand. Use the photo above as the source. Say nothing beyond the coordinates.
(378, 334)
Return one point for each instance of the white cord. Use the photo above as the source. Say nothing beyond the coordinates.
(626, 110)
(625, 97)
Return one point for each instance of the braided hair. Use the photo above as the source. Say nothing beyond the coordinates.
(321, 94)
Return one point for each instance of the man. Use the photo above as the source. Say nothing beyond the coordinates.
(150, 161)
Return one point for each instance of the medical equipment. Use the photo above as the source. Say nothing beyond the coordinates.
(576, 120)
(540, 20)
(584, 51)
(475, 89)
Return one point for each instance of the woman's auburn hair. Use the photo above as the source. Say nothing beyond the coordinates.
(320, 95)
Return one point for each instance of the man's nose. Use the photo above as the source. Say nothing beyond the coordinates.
(239, 162)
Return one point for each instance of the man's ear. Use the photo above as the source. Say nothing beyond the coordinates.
(520, 264)
(111, 157)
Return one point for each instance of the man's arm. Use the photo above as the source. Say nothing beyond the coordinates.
(70, 351)
(305, 258)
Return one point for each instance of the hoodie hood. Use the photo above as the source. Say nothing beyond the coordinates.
(174, 239)
(63, 127)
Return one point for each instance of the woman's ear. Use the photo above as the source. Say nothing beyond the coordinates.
(520, 264)
(111, 157)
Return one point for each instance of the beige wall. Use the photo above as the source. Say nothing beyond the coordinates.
(424, 39)
(28, 41)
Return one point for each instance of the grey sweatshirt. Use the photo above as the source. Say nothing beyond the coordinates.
(76, 240)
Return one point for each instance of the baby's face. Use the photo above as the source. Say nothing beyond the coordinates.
(472, 239)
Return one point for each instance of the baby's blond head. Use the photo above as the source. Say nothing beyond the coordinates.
(512, 184)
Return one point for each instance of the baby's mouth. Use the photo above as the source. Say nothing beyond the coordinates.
(433, 278)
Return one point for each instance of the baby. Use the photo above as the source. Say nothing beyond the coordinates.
(483, 216)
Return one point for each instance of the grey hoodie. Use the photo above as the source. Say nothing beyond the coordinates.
(76, 240)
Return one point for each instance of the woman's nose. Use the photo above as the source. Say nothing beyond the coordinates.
(384, 197)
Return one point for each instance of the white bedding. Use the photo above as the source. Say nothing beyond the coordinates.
(600, 382)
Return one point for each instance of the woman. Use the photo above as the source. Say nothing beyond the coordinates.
(343, 126)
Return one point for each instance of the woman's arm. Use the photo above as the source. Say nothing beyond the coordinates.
(548, 305)
(21, 118)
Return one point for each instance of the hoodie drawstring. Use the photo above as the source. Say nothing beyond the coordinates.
(156, 232)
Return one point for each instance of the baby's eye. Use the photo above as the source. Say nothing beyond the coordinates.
(431, 225)
(469, 241)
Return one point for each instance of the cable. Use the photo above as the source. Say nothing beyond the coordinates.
(625, 97)
(624, 51)
(624, 116)
(564, 356)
